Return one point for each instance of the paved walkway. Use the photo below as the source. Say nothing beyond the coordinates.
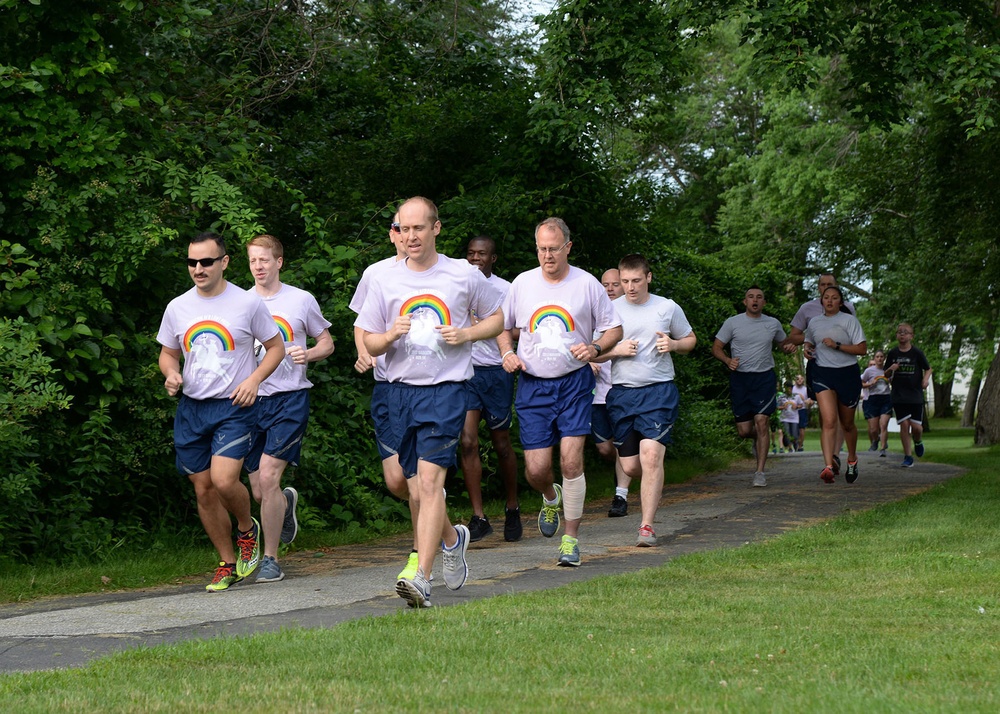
(713, 511)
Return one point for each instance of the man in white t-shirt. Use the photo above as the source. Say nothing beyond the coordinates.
(751, 337)
(643, 399)
(213, 327)
(283, 400)
(491, 398)
(554, 312)
(418, 313)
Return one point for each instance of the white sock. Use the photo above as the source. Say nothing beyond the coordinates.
(621, 491)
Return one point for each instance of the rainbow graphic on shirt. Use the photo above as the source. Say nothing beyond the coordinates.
(559, 313)
(285, 328)
(427, 302)
(213, 329)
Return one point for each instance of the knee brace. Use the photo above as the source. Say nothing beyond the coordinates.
(574, 494)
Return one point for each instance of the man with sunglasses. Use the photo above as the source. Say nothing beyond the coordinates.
(395, 481)
(554, 312)
(213, 327)
(283, 399)
(418, 313)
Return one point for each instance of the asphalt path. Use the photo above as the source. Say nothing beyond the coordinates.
(719, 510)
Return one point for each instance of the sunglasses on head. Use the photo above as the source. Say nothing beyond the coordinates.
(394, 227)
(205, 262)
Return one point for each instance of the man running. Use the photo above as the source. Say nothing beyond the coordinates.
(909, 373)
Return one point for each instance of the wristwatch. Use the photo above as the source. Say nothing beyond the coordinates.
(837, 347)
(596, 347)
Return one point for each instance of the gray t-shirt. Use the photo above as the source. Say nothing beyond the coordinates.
(811, 309)
(752, 340)
(842, 328)
(642, 322)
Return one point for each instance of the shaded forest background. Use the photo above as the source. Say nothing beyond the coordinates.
(734, 142)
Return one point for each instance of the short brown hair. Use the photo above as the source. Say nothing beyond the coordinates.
(266, 240)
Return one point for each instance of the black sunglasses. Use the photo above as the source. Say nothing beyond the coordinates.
(205, 262)
(394, 227)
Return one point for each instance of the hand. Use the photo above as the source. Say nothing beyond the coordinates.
(399, 328)
(663, 342)
(832, 344)
(733, 362)
(450, 334)
(628, 348)
(583, 352)
(512, 363)
(173, 383)
(245, 393)
(364, 363)
(297, 353)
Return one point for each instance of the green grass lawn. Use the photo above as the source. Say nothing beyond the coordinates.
(890, 610)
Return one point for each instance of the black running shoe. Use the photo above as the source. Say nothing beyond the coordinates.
(619, 507)
(479, 528)
(512, 528)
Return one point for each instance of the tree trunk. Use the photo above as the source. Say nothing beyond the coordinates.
(944, 380)
(969, 412)
(988, 420)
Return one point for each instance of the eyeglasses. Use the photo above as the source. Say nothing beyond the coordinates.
(551, 251)
(394, 227)
(205, 262)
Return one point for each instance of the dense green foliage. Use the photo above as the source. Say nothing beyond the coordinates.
(858, 139)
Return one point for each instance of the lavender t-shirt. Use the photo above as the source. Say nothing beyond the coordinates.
(297, 314)
(552, 317)
(447, 293)
(216, 337)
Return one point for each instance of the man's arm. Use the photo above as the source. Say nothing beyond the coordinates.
(245, 393)
(795, 338)
(377, 343)
(483, 330)
(589, 353)
(718, 351)
(665, 343)
(170, 366)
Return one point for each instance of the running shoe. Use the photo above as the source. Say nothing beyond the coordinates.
(416, 590)
(290, 526)
(410, 571)
(619, 507)
(225, 575)
(270, 571)
(874, 447)
(646, 538)
(548, 517)
(852, 472)
(569, 551)
(907, 462)
(881, 453)
(512, 528)
(456, 570)
(827, 474)
(249, 546)
(479, 528)
(836, 465)
(759, 479)
(918, 449)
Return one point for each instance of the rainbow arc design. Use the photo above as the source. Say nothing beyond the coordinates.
(429, 302)
(216, 330)
(285, 328)
(559, 313)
